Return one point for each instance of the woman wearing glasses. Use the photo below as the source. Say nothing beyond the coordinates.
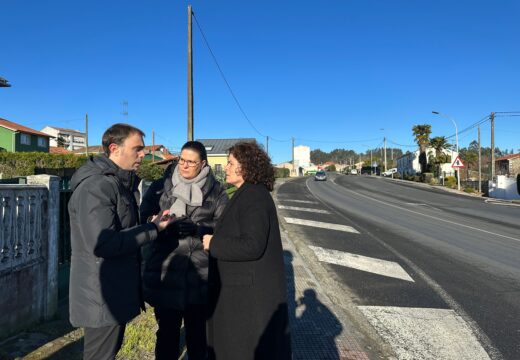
(248, 298)
(176, 266)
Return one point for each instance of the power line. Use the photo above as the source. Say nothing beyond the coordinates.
(225, 80)
(336, 142)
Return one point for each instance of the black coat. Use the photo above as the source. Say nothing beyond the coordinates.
(106, 239)
(248, 297)
(176, 269)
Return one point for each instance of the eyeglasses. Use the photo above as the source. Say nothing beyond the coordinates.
(190, 163)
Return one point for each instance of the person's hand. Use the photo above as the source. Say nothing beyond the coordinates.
(206, 239)
(163, 220)
(183, 228)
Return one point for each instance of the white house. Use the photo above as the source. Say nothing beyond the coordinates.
(408, 164)
(302, 156)
(72, 139)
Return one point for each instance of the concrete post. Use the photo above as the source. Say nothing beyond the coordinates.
(52, 183)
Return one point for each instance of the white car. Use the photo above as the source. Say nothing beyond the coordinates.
(389, 172)
(353, 172)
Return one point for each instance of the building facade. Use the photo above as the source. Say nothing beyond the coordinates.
(66, 138)
(18, 138)
(217, 150)
(408, 164)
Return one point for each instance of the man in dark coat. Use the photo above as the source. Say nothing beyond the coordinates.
(176, 266)
(105, 290)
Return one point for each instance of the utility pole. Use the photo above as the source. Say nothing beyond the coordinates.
(86, 134)
(385, 152)
(492, 146)
(153, 146)
(479, 163)
(190, 78)
(293, 167)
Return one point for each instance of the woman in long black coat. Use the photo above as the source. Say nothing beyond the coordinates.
(248, 298)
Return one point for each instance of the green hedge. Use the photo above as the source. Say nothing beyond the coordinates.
(24, 163)
(281, 172)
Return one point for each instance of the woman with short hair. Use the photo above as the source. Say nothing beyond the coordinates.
(247, 286)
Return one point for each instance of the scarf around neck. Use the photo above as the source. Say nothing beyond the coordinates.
(187, 191)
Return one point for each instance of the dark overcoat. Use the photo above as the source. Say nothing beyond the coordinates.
(176, 269)
(105, 273)
(248, 298)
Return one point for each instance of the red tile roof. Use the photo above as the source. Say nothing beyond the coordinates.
(17, 127)
(508, 157)
(58, 150)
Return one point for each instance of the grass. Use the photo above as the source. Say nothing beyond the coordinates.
(139, 342)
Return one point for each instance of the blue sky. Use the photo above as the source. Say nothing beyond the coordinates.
(331, 74)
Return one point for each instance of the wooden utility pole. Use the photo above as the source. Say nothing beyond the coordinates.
(492, 146)
(294, 169)
(190, 78)
(153, 146)
(86, 134)
(385, 152)
(479, 163)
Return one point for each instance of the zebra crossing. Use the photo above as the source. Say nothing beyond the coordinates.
(412, 332)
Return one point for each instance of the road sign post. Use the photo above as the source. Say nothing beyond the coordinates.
(457, 164)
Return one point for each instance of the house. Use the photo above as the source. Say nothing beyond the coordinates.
(66, 138)
(217, 150)
(157, 153)
(508, 165)
(18, 138)
(58, 150)
(408, 164)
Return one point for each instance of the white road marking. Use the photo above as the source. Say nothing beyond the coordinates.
(319, 211)
(363, 263)
(322, 225)
(425, 215)
(300, 201)
(420, 334)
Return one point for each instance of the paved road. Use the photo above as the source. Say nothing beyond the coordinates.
(436, 274)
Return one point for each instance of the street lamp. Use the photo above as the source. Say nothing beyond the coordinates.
(4, 82)
(456, 142)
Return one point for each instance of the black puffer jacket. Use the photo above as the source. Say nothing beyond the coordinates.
(176, 270)
(106, 239)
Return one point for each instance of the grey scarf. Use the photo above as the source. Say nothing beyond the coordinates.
(187, 192)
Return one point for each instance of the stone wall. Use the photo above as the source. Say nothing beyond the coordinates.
(28, 253)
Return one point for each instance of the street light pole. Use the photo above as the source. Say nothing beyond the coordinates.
(456, 141)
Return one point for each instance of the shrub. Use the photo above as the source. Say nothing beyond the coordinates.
(469, 190)
(281, 172)
(150, 171)
(450, 181)
(25, 163)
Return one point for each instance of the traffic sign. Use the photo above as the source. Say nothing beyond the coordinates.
(457, 163)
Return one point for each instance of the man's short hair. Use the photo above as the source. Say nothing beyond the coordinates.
(117, 134)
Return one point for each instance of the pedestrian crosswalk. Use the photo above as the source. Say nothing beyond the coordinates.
(412, 332)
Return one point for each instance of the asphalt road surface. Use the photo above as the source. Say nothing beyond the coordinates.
(436, 274)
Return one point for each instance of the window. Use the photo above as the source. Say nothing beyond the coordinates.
(78, 139)
(25, 139)
(42, 142)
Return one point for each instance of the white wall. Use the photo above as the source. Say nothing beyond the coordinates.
(505, 188)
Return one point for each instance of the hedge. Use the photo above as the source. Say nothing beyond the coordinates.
(25, 163)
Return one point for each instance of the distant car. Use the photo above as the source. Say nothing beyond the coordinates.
(389, 172)
(320, 176)
(353, 172)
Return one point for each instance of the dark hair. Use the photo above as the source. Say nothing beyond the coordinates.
(117, 134)
(255, 163)
(198, 147)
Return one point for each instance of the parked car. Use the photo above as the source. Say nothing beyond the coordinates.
(353, 172)
(320, 176)
(389, 172)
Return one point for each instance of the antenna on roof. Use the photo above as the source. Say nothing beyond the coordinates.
(125, 110)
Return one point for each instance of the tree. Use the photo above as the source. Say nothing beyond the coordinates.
(61, 142)
(422, 138)
(439, 143)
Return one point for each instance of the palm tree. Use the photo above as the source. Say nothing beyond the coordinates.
(422, 137)
(440, 143)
